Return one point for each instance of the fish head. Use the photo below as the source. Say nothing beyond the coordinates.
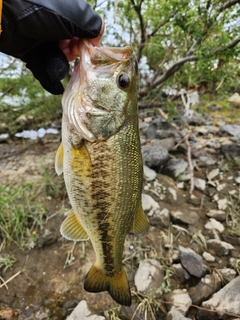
(101, 95)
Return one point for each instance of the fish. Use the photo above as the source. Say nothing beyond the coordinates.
(100, 158)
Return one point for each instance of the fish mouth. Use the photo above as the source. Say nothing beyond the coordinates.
(106, 55)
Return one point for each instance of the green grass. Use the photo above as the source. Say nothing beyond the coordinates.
(20, 214)
(24, 208)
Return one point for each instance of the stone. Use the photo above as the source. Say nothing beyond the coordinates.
(221, 248)
(225, 300)
(200, 184)
(181, 274)
(179, 299)
(160, 218)
(192, 262)
(174, 314)
(184, 217)
(231, 151)
(149, 174)
(205, 288)
(230, 129)
(208, 257)
(155, 156)
(173, 193)
(228, 274)
(167, 143)
(175, 167)
(222, 204)
(83, 312)
(214, 224)
(213, 174)
(219, 215)
(149, 275)
(237, 180)
(207, 160)
(148, 203)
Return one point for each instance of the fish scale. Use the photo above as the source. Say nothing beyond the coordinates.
(100, 157)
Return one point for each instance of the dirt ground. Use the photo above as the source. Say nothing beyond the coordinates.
(48, 280)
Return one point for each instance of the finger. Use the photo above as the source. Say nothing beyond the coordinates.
(97, 41)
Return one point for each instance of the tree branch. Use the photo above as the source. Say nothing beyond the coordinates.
(227, 5)
(168, 73)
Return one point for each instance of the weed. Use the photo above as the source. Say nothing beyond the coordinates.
(21, 215)
(148, 307)
(112, 314)
(6, 261)
(233, 214)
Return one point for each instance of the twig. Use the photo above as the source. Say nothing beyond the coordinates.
(185, 139)
(10, 279)
(138, 294)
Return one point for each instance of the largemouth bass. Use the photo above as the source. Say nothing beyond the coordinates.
(101, 160)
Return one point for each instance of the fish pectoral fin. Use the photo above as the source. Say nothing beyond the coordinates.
(140, 224)
(72, 229)
(117, 285)
(59, 160)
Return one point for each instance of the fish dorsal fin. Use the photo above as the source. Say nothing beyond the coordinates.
(59, 160)
(140, 224)
(72, 229)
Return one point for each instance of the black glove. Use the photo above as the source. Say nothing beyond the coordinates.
(32, 28)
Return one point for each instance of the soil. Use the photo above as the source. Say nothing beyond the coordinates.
(47, 287)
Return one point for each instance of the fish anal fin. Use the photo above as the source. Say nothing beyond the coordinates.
(59, 160)
(72, 229)
(117, 285)
(140, 224)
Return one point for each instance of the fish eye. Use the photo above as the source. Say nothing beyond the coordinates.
(123, 80)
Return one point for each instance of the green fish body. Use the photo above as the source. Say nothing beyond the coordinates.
(101, 160)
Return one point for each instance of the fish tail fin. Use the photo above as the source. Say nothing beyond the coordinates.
(117, 285)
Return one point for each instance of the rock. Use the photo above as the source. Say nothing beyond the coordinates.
(230, 129)
(174, 314)
(175, 167)
(173, 193)
(83, 312)
(181, 274)
(195, 119)
(237, 180)
(214, 224)
(167, 143)
(8, 314)
(231, 151)
(228, 274)
(149, 174)
(149, 204)
(179, 300)
(149, 275)
(221, 248)
(192, 262)
(160, 218)
(207, 160)
(213, 174)
(225, 300)
(208, 257)
(184, 217)
(205, 288)
(200, 184)
(150, 131)
(222, 204)
(154, 157)
(219, 215)
(235, 98)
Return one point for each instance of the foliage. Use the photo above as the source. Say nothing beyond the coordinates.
(186, 43)
(24, 209)
(24, 104)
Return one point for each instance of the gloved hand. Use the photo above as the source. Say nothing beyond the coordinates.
(31, 30)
